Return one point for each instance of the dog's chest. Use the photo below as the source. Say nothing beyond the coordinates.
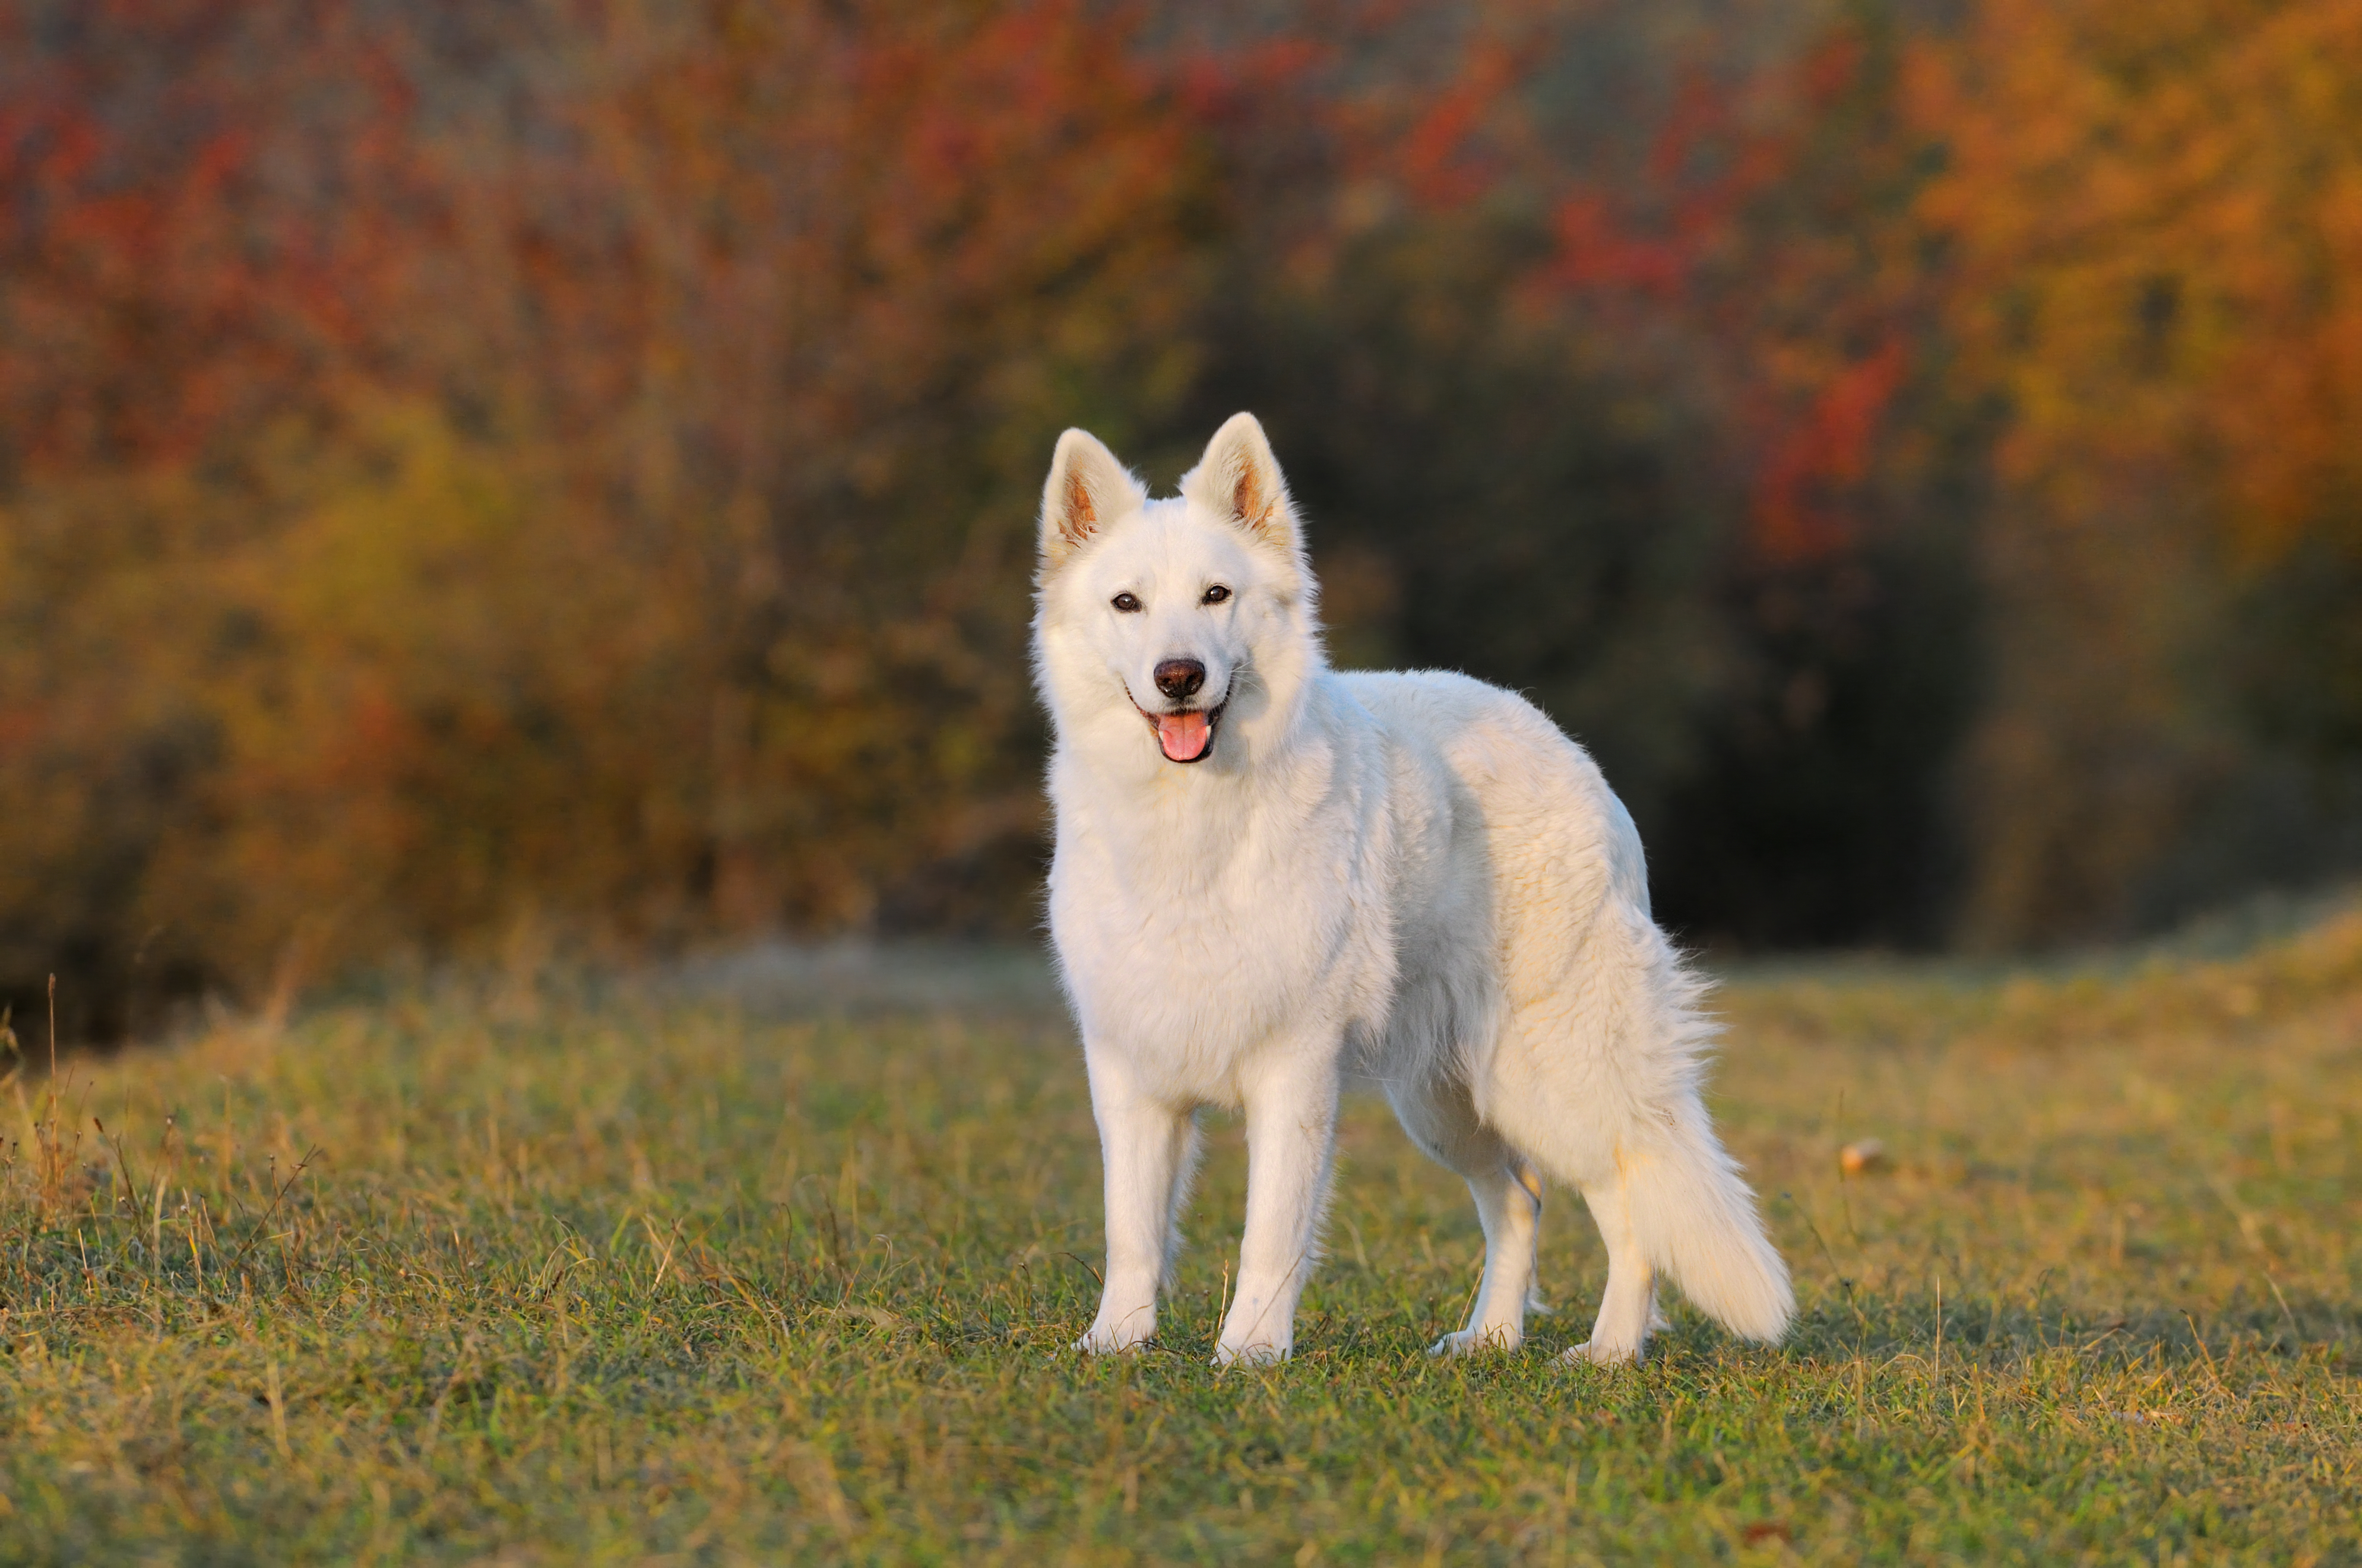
(1191, 951)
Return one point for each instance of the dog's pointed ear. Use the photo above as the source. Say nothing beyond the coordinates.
(1239, 479)
(1088, 490)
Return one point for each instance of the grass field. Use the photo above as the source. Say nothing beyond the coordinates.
(513, 1272)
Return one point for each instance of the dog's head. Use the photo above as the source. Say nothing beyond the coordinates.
(1196, 608)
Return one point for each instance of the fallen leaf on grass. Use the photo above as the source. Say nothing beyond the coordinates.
(1866, 1154)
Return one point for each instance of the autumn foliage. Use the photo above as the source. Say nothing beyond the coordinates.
(463, 466)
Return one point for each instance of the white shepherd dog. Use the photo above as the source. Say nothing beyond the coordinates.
(1270, 877)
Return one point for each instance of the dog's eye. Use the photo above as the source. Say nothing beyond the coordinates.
(1214, 594)
(1127, 602)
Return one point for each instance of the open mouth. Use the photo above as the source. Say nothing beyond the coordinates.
(1186, 737)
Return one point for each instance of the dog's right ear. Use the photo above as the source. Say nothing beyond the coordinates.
(1089, 491)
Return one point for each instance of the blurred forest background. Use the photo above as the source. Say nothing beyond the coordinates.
(571, 463)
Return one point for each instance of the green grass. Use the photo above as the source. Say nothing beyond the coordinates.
(511, 1274)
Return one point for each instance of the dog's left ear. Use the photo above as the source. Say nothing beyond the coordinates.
(1240, 480)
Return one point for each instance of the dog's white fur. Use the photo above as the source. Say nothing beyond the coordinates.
(1411, 877)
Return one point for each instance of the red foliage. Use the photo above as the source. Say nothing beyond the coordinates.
(169, 271)
(1716, 244)
(1818, 451)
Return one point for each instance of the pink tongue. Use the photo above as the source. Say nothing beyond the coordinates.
(1183, 735)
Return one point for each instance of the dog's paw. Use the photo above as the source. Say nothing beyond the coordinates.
(1590, 1353)
(1254, 1352)
(1477, 1341)
(1115, 1339)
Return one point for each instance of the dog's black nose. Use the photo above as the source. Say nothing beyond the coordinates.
(1179, 678)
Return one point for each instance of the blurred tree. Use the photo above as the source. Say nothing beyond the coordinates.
(1756, 263)
(2151, 222)
(1620, 406)
(575, 460)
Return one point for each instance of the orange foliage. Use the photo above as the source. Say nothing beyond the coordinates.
(2156, 216)
(2149, 219)
(439, 498)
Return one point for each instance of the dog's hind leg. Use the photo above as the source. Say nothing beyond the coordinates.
(1509, 1205)
(1147, 1145)
(1441, 1120)
(1627, 1306)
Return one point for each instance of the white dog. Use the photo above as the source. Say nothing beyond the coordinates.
(1270, 877)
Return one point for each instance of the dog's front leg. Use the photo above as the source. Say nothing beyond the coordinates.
(1291, 1138)
(1144, 1143)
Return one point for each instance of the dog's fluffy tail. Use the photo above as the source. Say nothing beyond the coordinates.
(1695, 1221)
(1692, 1213)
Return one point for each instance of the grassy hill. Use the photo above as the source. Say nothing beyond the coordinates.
(517, 1271)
